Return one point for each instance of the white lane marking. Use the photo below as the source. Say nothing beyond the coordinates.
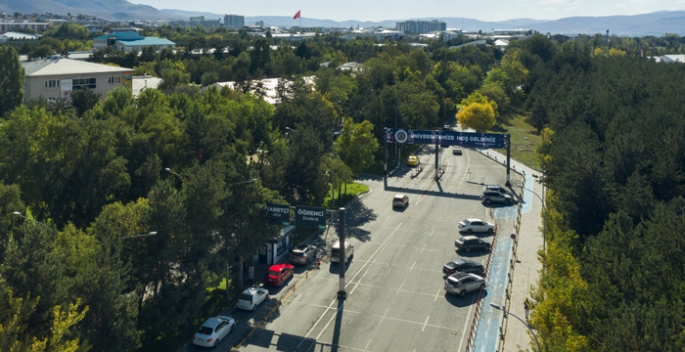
(424, 324)
(399, 266)
(421, 324)
(436, 295)
(351, 280)
(372, 257)
(412, 267)
(432, 232)
(399, 289)
(466, 325)
(383, 317)
(447, 206)
(329, 322)
(367, 346)
(322, 306)
(424, 247)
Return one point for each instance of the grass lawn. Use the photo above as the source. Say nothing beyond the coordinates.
(524, 138)
(349, 191)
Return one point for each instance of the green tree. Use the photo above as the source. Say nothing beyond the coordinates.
(11, 80)
(84, 100)
(357, 145)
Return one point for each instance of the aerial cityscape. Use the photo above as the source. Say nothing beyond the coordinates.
(342, 177)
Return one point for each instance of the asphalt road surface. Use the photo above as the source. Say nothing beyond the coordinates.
(395, 287)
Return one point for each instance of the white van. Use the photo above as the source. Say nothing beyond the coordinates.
(335, 251)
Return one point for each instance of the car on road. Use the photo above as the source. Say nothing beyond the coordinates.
(462, 283)
(400, 201)
(252, 297)
(463, 266)
(470, 243)
(456, 150)
(496, 194)
(278, 274)
(213, 330)
(413, 160)
(302, 254)
(476, 225)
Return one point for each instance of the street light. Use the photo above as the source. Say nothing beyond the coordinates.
(151, 233)
(28, 218)
(544, 221)
(521, 320)
(173, 173)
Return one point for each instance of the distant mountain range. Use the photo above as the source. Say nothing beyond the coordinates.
(109, 9)
(657, 23)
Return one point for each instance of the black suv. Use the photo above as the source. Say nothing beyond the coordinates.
(467, 243)
(463, 266)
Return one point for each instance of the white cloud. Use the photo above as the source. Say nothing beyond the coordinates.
(624, 4)
(552, 2)
(644, 1)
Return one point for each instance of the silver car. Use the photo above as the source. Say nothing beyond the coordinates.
(302, 254)
(462, 283)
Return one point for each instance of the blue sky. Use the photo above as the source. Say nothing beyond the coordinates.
(362, 10)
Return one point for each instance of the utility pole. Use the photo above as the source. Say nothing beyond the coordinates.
(342, 262)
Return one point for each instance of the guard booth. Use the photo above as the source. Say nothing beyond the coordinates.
(276, 249)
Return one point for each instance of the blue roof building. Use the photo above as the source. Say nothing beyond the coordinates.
(128, 41)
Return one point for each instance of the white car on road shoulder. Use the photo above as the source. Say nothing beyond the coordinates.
(476, 225)
(252, 297)
(213, 330)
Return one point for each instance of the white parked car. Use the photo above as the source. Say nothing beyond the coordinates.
(476, 225)
(213, 331)
(252, 297)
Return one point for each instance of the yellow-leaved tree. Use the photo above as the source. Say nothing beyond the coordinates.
(478, 116)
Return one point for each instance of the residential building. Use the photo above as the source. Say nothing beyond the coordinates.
(438, 25)
(420, 27)
(237, 22)
(129, 41)
(36, 27)
(55, 78)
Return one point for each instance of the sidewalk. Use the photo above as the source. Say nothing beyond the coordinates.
(526, 271)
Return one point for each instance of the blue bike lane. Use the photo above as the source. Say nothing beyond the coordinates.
(490, 320)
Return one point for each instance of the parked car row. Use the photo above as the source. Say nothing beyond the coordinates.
(463, 275)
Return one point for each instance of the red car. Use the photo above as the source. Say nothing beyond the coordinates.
(278, 274)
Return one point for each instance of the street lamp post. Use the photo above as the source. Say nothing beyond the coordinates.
(151, 233)
(521, 320)
(28, 218)
(544, 221)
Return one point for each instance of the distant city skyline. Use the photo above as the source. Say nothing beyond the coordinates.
(362, 10)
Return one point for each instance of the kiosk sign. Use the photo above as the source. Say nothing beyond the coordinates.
(278, 214)
(310, 217)
(464, 139)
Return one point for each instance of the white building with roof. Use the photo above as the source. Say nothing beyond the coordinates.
(141, 83)
(268, 87)
(54, 78)
(669, 58)
(17, 36)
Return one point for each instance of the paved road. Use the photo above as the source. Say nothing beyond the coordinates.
(396, 300)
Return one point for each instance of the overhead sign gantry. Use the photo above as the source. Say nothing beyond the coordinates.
(448, 138)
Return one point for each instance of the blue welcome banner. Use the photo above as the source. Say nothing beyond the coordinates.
(464, 139)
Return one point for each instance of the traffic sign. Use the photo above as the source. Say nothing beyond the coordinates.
(310, 217)
(278, 214)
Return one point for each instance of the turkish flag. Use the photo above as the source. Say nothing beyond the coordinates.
(297, 15)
